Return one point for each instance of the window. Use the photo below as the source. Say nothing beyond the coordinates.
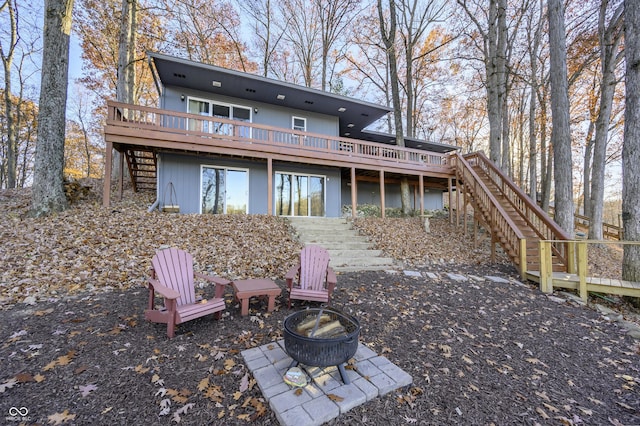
(219, 110)
(299, 124)
(224, 190)
(299, 195)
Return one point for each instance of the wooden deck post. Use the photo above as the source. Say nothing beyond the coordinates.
(546, 268)
(269, 186)
(121, 177)
(582, 269)
(354, 193)
(571, 257)
(106, 184)
(523, 258)
(421, 185)
(450, 182)
(382, 194)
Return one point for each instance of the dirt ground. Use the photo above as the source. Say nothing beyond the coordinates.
(480, 352)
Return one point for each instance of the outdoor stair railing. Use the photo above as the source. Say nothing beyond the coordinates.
(536, 218)
(499, 222)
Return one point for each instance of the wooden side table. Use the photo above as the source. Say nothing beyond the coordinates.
(244, 289)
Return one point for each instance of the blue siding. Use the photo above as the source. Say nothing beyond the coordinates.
(184, 172)
(369, 193)
(270, 115)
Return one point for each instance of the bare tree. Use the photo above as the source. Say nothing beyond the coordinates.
(560, 133)
(494, 35)
(269, 28)
(610, 38)
(7, 54)
(304, 37)
(335, 17)
(388, 34)
(48, 195)
(631, 149)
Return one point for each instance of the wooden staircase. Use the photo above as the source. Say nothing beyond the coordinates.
(143, 166)
(510, 216)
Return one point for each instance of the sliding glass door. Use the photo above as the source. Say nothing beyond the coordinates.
(299, 195)
(224, 190)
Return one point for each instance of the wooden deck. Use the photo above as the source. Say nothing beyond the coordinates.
(591, 284)
(577, 278)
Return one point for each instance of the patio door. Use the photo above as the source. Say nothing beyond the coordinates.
(299, 195)
(224, 190)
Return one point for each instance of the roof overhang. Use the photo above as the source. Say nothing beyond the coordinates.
(354, 115)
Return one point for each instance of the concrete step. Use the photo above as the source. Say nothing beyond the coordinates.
(335, 252)
(348, 250)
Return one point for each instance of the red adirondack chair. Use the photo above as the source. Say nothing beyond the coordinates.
(172, 277)
(316, 280)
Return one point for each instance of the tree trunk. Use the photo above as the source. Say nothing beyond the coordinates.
(586, 172)
(610, 37)
(7, 62)
(560, 133)
(389, 42)
(631, 147)
(48, 194)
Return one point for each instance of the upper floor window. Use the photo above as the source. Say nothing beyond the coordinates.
(219, 110)
(299, 123)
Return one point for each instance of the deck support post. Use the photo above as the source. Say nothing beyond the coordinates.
(382, 194)
(269, 186)
(106, 184)
(121, 177)
(421, 185)
(354, 193)
(464, 212)
(450, 183)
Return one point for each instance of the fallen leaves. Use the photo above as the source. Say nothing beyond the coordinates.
(60, 418)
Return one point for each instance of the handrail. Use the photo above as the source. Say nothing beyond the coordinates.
(537, 219)
(493, 213)
(529, 210)
(584, 222)
(135, 116)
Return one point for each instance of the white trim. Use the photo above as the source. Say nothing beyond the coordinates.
(293, 123)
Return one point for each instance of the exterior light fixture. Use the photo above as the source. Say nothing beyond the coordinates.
(342, 109)
(216, 83)
(280, 97)
(350, 125)
(182, 97)
(347, 134)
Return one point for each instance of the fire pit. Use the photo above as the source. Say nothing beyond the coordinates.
(321, 337)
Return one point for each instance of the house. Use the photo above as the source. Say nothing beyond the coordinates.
(224, 141)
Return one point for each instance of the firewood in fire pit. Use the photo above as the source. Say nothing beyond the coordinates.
(307, 325)
(329, 330)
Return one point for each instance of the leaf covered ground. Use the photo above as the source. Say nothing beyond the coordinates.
(75, 349)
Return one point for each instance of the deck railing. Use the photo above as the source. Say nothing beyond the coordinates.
(513, 241)
(537, 219)
(210, 129)
(582, 279)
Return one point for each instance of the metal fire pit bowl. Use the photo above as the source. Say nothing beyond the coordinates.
(319, 352)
